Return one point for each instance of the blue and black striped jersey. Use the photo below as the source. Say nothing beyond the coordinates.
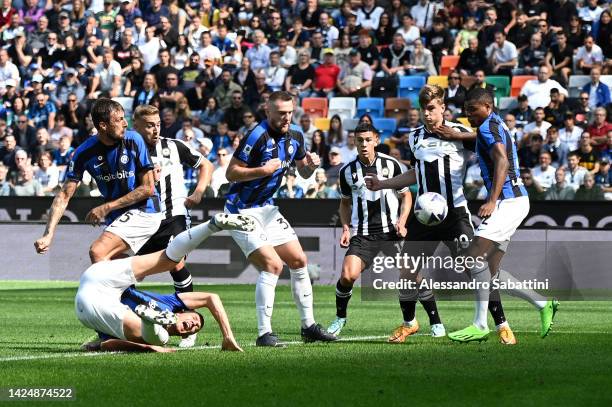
(492, 131)
(256, 148)
(115, 168)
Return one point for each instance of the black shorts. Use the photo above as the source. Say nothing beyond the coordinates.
(368, 247)
(167, 230)
(456, 231)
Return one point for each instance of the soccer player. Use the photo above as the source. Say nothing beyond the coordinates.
(438, 166)
(132, 320)
(506, 206)
(169, 156)
(119, 162)
(373, 215)
(256, 171)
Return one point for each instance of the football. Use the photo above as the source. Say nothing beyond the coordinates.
(430, 208)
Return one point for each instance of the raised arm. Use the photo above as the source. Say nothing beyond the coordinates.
(60, 202)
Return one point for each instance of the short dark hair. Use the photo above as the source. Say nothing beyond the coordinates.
(102, 110)
(574, 154)
(365, 128)
(480, 95)
(280, 95)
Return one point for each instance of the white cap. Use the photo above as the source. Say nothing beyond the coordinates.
(206, 142)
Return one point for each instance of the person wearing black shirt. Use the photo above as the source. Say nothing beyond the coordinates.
(438, 40)
(369, 53)
(523, 112)
(560, 13)
(559, 58)
(532, 57)
(472, 58)
(520, 34)
(506, 13)
(455, 94)
(124, 52)
(164, 67)
(275, 30)
(490, 26)
(555, 111)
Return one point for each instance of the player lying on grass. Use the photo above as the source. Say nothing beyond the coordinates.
(506, 206)
(375, 228)
(452, 142)
(128, 319)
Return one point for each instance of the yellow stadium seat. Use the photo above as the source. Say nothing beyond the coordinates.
(438, 80)
(322, 123)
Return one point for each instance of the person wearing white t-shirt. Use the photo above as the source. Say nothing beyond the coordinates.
(8, 70)
(207, 50)
(151, 47)
(570, 134)
(423, 13)
(218, 176)
(368, 15)
(588, 55)
(409, 31)
(538, 90)
(502, 55)
(348, 152)
(544, 173)
(537, 126)
(107, 77)
(574, 175)
(591, 12)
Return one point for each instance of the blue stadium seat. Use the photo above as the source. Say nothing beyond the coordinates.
(375, 107)
(385, 126)
(409, 87)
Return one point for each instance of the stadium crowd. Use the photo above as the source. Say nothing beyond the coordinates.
(211, 65)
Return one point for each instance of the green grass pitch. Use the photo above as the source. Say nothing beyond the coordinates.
(40, 336)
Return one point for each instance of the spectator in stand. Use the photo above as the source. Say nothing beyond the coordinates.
(250, 123)
(224, 91)
(544, 173)
(300, 76)
(355, 78)
(318, 145)
(336, 136)
(384, 33)
(589, 157)
(368, 51)
(259, 54)
(288, 54)
(348, 152)
(335, 163)
(590, 12)
(455, 94)
(70, 85)
(275, 74)
(463, 37)
(560, 190)
(557, 149)
(589, 55)
(538, 90)
(290, 190)
(589, 191)
(409, 31)
(599, 129)
(24, 133)
(556, 109)
(26, 184)
(479, 82)
(490, 27)
(218, 179)
(424, 12)
(234, 114)
(472, 58)
(47, 174)
(197, 133)
(7, 152)
(211, 115)
(421, 61)
(107, 77)
(6, 189)
(502, 55)
(570, 133)
(395, 58)
(575, 173)
(529, 155)
(321, 189)
(532, 57)
(603, 178)
(599, 93)
(520, 34)
(538, 126)
(42, 113)
(559, 58)
(326, 76)
(438, 40)
(534, 190)
(515, 132)
(169, 123)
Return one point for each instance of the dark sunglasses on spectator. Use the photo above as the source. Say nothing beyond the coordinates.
(22, 121)
(584, 98)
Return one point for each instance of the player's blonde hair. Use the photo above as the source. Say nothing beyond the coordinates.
(145, 110)
(429, 93)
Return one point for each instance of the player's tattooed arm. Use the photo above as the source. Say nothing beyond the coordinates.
(145, 190)
(500, 172)
(307, 166)
(345, 219)
(401, 181)
(60, 202)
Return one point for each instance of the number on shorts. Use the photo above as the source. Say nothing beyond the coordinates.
(283, 223)
(125, 217)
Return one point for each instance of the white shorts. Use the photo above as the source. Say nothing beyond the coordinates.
(98, 301)
(272, 230)
(135, 227)
(503, 222)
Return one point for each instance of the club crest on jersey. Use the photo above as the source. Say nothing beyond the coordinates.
(100, 158)
(385, 172)
(247, 149)
(290, 149)
(166, 152)
(124, 159)
(71, 166)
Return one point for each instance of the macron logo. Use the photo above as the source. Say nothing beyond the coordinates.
(118, 175)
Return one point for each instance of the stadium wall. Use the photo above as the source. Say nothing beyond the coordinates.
(324, 212)
(571, 259)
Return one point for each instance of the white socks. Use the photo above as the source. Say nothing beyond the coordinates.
(480, 276)
(531, 296)
(302, 295)
(264, 301)
(188, 240)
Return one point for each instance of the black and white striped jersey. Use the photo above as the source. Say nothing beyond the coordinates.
(373, 212)
(440, 165)
(171, 155)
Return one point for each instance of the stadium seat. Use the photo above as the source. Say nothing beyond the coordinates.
(322, 123)
(518, 82)
(396, 108)
(409, 87)
(346, 108)
(315, 107)
(506, 104)
(464, 121)
(349, 124)
(438, 80)
(386, 127)
(576, 82)
(502, 86)
(375, 107)
(448, 64)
